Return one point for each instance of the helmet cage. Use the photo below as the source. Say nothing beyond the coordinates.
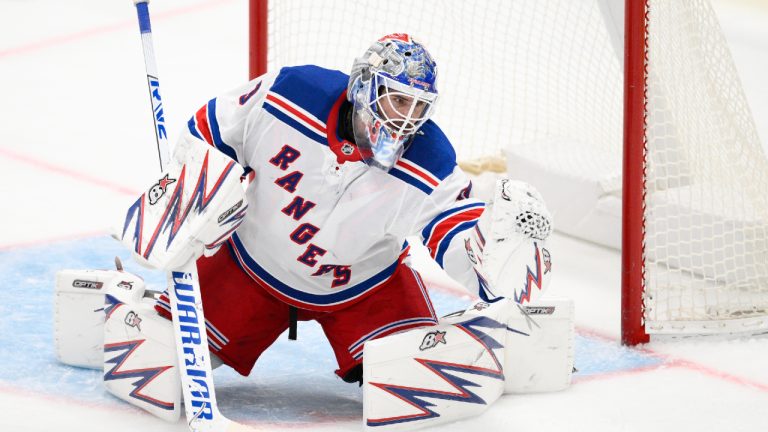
(400, 108)
(387, 115)
(392, 89)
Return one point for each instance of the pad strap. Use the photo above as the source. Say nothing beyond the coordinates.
(293, 314)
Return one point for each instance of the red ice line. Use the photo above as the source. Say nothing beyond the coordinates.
(670, 362)
(77, 175)
(47, 166)
(49, 240)
(111, 28)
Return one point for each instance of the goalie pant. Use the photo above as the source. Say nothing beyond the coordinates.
(244, 319)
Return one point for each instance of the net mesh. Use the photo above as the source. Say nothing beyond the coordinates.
(707, 178)
(490, 57)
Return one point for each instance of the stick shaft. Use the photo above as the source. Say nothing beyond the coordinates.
(153, 82)
(191, 340)
(200, 406)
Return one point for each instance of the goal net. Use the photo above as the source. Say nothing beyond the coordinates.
(707, 181)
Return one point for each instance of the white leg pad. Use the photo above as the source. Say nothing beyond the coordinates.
(140, 365)
(437, 374)
(539, 349)
(102, 321)
(79, 313)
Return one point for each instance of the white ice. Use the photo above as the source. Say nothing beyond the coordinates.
(76, 141)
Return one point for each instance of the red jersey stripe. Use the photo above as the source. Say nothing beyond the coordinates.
(201, 120)
(320, 128)
(417, 171)
(441, 229)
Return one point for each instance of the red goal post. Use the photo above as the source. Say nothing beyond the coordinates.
(258, 14)
(628, 116)
(633, 180)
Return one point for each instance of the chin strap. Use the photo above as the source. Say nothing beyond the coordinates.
(345, 122)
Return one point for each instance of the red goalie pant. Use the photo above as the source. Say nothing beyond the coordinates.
(243, 319)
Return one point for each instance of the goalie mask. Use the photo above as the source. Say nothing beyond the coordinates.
(392, 89)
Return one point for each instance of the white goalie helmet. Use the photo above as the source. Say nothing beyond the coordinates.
(392, 89)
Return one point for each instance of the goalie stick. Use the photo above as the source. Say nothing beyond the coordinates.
(201, 410)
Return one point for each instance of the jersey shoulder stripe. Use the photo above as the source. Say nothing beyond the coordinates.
(205, 126)
(308, 93)
(429, 159)
(437, 235)
(295, 117)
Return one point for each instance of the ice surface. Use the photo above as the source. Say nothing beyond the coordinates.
(76, 141)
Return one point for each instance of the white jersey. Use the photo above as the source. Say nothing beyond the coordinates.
(323, 229)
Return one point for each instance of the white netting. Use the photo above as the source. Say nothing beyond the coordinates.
(542, 80)
(488, 55)
(707, 202)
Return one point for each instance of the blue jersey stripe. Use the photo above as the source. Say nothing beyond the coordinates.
(192, 125)
(411, 181)
(446, 241)
(295, 124)
(425, 232)
(216, 133)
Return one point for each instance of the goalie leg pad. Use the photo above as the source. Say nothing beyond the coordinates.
(539, 347)
(79, 312)
(139, 363)
(436, 374)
